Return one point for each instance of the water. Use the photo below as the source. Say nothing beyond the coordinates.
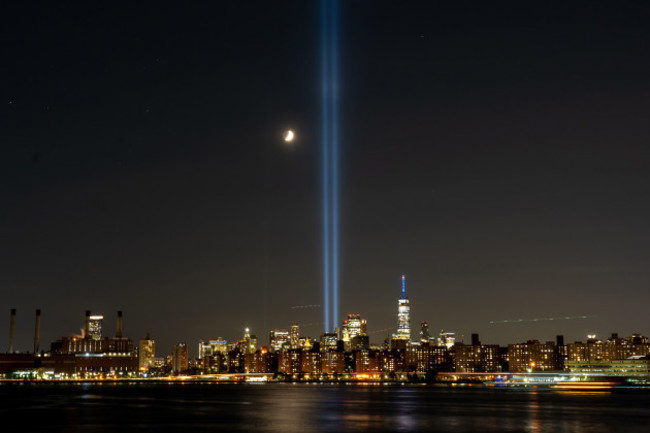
(315, 408)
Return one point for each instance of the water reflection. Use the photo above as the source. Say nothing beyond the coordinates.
(534, 425)
(320, 408)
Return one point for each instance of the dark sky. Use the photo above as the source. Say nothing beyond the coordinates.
(496, 153)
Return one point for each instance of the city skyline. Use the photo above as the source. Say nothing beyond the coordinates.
(403, 329)
(346, 355)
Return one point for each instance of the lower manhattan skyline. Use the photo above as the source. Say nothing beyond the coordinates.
(496, 155)
(404, 330)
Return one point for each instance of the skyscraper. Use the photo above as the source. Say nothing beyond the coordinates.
(352, 327)
(180, 358)
(249, 342)
(424, 332)
(95, 327)
(278, 339)
(447, 339)
(213, 347)
(146, 353)
(294, 336)
(403, 334)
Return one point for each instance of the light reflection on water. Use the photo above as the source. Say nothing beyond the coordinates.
(308, 408)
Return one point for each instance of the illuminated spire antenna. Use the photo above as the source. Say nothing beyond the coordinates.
(403, 286)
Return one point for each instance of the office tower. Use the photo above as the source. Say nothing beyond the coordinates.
(360, 342)
(424, 332)
(404, 314)
(364, 327)
(447, 339)
(294, 336)
(213, 347)
(403, 335)
(180, 358)
(249, 343)
(95, 327)
(278, 340)
(352, 327)
(328, 341)
(147, 353)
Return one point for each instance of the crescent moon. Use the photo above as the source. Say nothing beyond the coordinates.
(288, 136)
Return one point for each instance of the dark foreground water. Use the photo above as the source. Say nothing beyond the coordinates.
(314, 408)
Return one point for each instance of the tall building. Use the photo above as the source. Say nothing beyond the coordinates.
(360, 342)
(447, 339)
(95, 327)
(279, 339)
(364, 327)
(424, 332)
(180, 358)
(353, 326)
(250, 342)
(213, 347)
(403, 317)
(294, 336)
(146, 353)
(328, 341)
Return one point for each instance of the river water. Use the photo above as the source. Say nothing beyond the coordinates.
(315, 408)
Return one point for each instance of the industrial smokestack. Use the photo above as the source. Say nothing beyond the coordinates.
(118, 331)
(12, 330)
(37, 331)
(87, 327)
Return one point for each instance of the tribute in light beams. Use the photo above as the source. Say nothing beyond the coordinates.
(330, 123)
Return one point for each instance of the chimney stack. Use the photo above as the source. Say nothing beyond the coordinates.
(37, 331)
(87, 327)
(12, 330)
(118, 332)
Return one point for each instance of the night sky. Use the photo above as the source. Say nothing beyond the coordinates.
(496, 153)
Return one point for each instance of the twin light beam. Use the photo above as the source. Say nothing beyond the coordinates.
(330, 168)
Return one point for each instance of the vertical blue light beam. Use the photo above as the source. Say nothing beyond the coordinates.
(334, 77)
(330, 185)
(325, 163)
